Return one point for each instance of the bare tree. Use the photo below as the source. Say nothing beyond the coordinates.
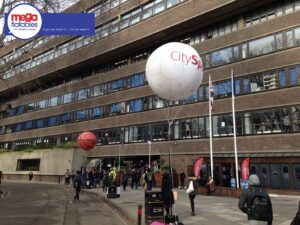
(9, 61)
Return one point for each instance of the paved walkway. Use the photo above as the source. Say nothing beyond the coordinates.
(210, 210)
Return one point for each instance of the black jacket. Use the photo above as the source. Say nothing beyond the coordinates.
(77, 182)
(167, 193)
(244, 202)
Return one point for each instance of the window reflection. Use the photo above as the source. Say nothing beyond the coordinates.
(261, 46)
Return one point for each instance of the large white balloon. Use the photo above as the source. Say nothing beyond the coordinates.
(174, 71)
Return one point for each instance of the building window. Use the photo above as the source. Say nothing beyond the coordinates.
(115, 109)
(31, 107)
(117, 85)
(52, 121)
(41, 104)
(53, 101)
(40, 123)
(65, 118)
(20, 110)
(295, 115)
(28, 164)
(97, 112)
(83, 94)
(80, 115)
(261, 46)
(28, 125)
(221, 57)
(136, 105)
(282, 80)
(98, 90)
(67, 98)
(18, 127)
(293, 77)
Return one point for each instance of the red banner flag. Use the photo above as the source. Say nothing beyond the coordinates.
(245, 168)
(197, 167)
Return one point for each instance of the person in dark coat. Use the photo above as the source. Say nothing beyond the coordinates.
(77, 185)
(124, 180)
(105, 182)
(296, 220)
(182, 178)
(167, 194)
(30, 176)
(245, 199)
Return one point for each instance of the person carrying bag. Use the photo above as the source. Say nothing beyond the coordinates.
(192, 192)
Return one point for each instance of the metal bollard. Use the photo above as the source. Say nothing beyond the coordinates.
(140, 211)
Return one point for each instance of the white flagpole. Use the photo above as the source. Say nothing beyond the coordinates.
(234, 132)
(210, 131)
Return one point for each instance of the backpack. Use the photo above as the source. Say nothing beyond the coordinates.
(260, 206)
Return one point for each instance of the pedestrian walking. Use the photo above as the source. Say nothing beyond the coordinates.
(96, 179)
(67, 177)
(256, 203)
(182, 178)
(149, 179)
(105, 182)
(77, 185)
(133, 178)
(192, 192)
(167, 194)
(112, 176)
(124, 180)
(89, 183)
(0, 177)
(30, 176)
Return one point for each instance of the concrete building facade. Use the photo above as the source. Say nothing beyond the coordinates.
(63, 86)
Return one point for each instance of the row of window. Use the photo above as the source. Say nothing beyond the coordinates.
(25, 48)
(253, 48)
(254, 17)
(277, 120)
(264, 121)
(138, 57)
(128, 19)
(133, 81)
(105, 6)
(271, 11)
(268, 80)
(268, 44)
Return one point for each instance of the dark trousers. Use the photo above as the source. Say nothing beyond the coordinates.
(192, 197)
(149, 185)
(181, 183)
(76, 197)
(124, 185)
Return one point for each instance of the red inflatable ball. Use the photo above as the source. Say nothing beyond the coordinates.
(87, 140)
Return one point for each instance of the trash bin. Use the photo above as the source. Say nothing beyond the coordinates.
(113, 191)
(154, 209)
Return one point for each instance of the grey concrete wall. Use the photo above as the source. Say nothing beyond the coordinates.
(53, 161)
